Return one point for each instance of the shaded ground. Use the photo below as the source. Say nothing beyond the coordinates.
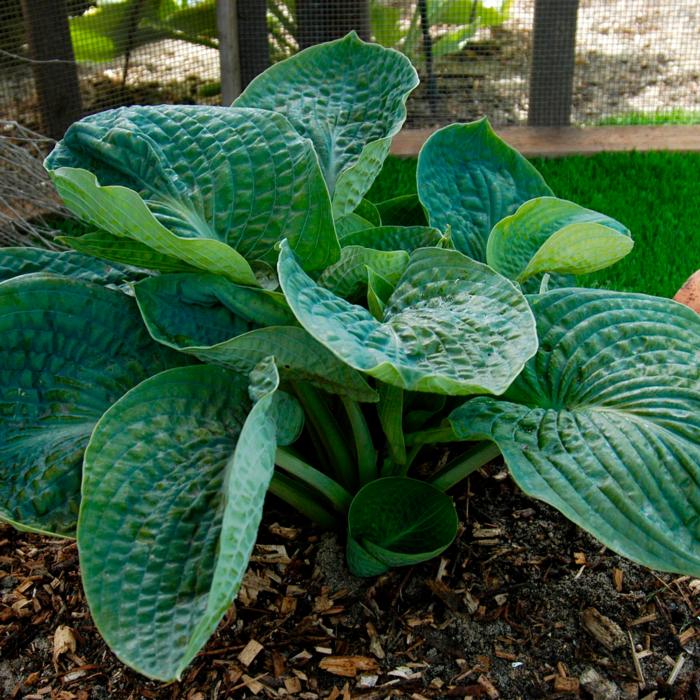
(503, 614)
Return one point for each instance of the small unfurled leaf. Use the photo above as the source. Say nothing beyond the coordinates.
(348, 277)
(70, 349)
(398, 521)
(211, 186)
(555, 236)
(469, 179)
(349, 98)
(603, 423)
(407, 238)
(176, 474)
(451, 325)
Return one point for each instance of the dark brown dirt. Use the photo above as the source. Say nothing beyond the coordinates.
(499, 615)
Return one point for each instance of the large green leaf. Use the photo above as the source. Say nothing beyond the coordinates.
(548, 234)
(405, 210)
(469, 179)
(24, 260)
(219, 322)
(451, 326)
(349, 98)
(176, 474)
(208, 185)
(398, 521)
(604, 423)
(69, 350)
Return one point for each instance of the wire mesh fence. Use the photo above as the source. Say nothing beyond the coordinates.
(628, 59)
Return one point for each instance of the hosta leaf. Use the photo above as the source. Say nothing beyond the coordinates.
(211, 186)
(349, 98)
(469, 179)
(548, 234)
(367, 210)
(219, 322)
(406, 238)
(101, 244)
(451, 326)
(351, 224)
(176, 474)
(405, 210)
(604, 423)
(398, 521)
(379, 290)
(24, 260)
(348, 277)
(70, 349)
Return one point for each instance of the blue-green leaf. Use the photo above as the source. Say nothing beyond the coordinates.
(451, 326)
(604, 422)
(469, 179)
(175, 479)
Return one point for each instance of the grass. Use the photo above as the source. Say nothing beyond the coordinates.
(656, 195)
(671, 116)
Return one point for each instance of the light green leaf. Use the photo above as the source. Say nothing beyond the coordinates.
(348, 277)
(24, 260)
(452, 325)
(101, 244)
(367, 210)
(407, 238)
(552, 235)
(70, 349)
(604, 423)
(211, 186)
(469, 179)
(346, 96)
(398, 521)
(219, 322)
(176, 474)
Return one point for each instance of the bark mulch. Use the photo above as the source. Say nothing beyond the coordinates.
(523, 605)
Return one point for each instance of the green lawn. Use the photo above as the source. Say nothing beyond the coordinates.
(656, 195)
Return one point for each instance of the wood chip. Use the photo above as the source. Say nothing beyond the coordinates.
(292, 685)
(253, 684)
(602, 628)
(250, 651)
(488, 687)
(618, 576)
(675, 672)
(566, 684)
(348, 666)
(63, 642)
(635, 661)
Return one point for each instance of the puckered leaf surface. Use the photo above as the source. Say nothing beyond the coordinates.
(548, 234)
(469, 179)
(398, 521)
(349, 98)
(70, 349)
(451, 326)
(604, 423)
(176, 474)
(237, 327)
(211, 186)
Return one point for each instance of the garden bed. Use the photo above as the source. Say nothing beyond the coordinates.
(509, 611)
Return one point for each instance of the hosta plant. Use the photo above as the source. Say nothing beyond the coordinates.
(240, 320)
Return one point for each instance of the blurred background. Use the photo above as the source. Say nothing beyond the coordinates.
(543, 62)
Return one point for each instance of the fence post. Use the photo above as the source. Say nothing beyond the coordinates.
(253, 42)
(552, 69)
(319, 20)
(54, 69)
(229, 55)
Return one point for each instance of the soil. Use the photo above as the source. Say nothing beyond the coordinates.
(522, 605)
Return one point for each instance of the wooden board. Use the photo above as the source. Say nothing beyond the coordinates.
(566, 141)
